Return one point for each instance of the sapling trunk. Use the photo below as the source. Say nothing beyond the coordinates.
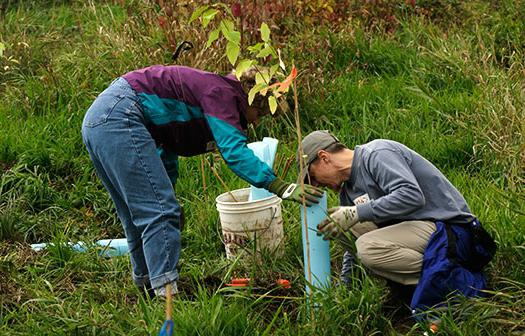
(301, 167)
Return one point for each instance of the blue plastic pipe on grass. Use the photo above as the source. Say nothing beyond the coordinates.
(114, 247)
(318, 249)
(110, 247)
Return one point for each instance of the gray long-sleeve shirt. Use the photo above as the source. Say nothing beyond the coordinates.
(390, 183)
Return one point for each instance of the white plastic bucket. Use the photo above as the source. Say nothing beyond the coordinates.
(250, 227)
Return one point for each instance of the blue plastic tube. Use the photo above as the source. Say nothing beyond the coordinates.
(111, 247)
(318, 249)
(114, 247)
(265, 150)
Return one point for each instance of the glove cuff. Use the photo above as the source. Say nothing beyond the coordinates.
(278, 186)
(365, 212)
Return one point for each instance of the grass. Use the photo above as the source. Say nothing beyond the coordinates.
(449, 86)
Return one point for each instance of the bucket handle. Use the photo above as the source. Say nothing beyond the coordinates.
(272, 217)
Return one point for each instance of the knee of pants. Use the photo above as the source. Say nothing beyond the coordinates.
(134, 241)
(369, 250)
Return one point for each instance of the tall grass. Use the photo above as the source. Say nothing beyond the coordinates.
(450, 87)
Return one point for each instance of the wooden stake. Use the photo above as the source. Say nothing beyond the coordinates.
(221, 181)
(277, 162)
(287, 167)
(168, 301)
(301, 167)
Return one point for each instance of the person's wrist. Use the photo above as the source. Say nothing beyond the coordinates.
(364, 212)
(277, 186)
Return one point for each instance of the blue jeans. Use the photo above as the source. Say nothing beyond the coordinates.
(126, 160)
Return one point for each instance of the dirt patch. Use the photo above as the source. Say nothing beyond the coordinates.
(13, 256)
(396, 308)
(5, 166)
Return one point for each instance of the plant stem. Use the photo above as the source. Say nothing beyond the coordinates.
(221, 181)
(203, 175)
(287, 167)
(301, 167)
(168, 301)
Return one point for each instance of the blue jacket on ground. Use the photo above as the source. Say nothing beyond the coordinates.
(444, 270)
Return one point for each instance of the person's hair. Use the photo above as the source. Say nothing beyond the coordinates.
(332, 149)
(335, 148)
(247, 80)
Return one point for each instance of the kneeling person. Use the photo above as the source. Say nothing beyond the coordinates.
(392, 199)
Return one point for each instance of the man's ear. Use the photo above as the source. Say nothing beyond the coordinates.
(323, 155)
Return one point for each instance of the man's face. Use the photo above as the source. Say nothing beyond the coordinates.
(324, 172)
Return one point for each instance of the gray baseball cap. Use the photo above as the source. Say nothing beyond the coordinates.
(311, 145)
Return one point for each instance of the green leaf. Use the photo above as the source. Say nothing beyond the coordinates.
(234, 36)
(265, 32)
(226, 8)
(262, 77)
(197, 13)
(265, 52)
(255, 48)
(251, 95)
(273, 104)
(214, 35)
(2, 48)
(230, 35)
(232, 51)
(229, 24)
(242, 66)
(273, 70)
(254, 90)
(207, 16)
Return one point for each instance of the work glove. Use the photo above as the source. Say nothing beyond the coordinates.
(293, 192)
(339, 220)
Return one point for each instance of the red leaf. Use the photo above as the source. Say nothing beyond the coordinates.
(285, 84)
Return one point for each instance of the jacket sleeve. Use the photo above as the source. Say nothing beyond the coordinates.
(222, 115)
(171, 164)
(393, 176)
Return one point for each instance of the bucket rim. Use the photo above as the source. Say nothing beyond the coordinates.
(218, 201)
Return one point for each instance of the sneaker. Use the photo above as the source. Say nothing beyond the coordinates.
(161, 291)
(349, 265)
(147, 292)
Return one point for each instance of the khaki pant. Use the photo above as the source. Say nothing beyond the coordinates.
(394, 252)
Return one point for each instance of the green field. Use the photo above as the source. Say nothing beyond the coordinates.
(446, 78)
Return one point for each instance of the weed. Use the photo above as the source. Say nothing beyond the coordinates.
(443, 77)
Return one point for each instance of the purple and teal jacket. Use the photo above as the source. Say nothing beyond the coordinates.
(190, 112)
